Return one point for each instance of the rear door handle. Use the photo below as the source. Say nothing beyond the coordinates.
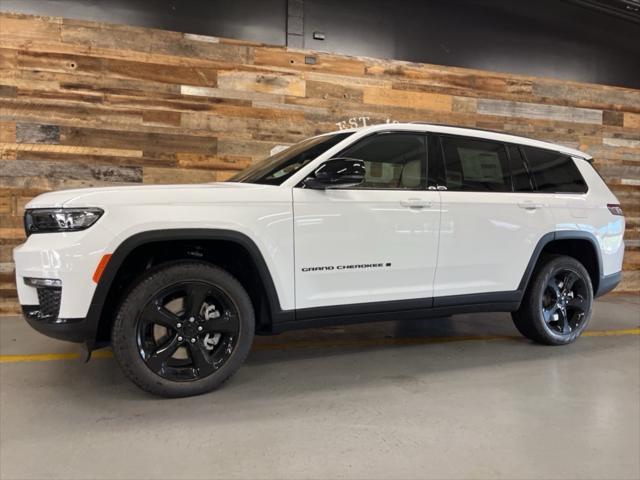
(530, 205)
(416, 203)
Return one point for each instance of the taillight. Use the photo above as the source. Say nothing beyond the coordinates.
(615, 209)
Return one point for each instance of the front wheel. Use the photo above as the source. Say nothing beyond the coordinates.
(184, 329)
(556, 307)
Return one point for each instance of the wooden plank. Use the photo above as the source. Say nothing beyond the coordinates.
(610, 117)
(70, 149)
(465, 105)
(631, 120)
(220, 93)
(27, 26)
(7, 132)
(427, 101)
(287, 59)
(138, 140)
(283, 84)
(171, 175)
(584, 95)
(42, 169)
(254, 149)
(89, 65)
(78, 154)
(23, 110)
(8, 59)
(622, 142)
(213, 162)
(37, 133)
(8, 91)
(161, 117)
(6, 201)
(333, 91)
(533, 110)
(9, 306)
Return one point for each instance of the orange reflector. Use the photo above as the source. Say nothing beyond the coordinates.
(100, 268)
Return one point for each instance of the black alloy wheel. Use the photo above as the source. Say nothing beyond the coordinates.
(187, 331)
(564, 302)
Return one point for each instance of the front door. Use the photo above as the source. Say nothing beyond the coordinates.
(376, 242)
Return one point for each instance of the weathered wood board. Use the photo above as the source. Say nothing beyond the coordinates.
(85, 104)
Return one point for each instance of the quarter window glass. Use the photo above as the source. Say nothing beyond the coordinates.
(392, 160)
(519, 170)
(554, 172)
(475, 165)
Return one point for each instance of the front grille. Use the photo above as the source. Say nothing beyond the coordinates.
(49, 299)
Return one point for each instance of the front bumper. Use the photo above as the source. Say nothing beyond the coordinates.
(68, 329)
(69, 259)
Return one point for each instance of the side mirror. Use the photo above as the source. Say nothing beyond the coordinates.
(337, 173)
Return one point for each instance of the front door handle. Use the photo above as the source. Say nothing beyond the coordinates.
(416, 203)
(530, 205)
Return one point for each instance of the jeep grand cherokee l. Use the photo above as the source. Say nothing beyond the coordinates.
(404, 221)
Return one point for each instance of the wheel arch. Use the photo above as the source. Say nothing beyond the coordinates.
(581, 245)
(104, 299)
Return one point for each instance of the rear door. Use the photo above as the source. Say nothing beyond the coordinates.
(376, 242)
(491, 220)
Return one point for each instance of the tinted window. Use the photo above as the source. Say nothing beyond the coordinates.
(277, 168)
(475, 165)
(392, 160)
(519, 171)
(554, 172)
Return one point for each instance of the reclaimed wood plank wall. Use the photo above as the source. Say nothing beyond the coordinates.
(85, 104)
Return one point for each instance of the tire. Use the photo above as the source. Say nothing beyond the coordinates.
(557, 305)
(183, 329)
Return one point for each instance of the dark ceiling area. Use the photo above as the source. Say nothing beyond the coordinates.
(594, 41)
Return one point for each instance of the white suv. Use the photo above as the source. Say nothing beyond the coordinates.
(389, 222)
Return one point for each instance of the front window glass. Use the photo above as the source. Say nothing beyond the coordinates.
(279, 167)
(392, 160)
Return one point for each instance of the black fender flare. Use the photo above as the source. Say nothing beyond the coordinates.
(118, 257)
(600, 289)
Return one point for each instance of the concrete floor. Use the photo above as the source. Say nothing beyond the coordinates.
(463, 397)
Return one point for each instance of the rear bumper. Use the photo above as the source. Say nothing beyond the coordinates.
(608, 283)
(68, 329)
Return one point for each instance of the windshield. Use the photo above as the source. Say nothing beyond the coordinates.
(276, 169)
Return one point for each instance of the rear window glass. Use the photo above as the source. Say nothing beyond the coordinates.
(475, 165)
(554, 172)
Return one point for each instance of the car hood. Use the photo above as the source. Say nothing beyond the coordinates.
(151, 195)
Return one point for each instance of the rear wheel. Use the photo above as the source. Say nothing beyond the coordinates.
(556, 307)
(184, 329)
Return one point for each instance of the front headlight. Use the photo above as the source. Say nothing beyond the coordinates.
(47, 220)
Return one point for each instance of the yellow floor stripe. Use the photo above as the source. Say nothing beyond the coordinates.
(612, 333)
(369, 342)
(48, 357)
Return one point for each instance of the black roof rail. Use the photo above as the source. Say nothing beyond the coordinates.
(484, 130)
(469, 128)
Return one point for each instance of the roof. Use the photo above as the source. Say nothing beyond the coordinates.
(470, 132)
